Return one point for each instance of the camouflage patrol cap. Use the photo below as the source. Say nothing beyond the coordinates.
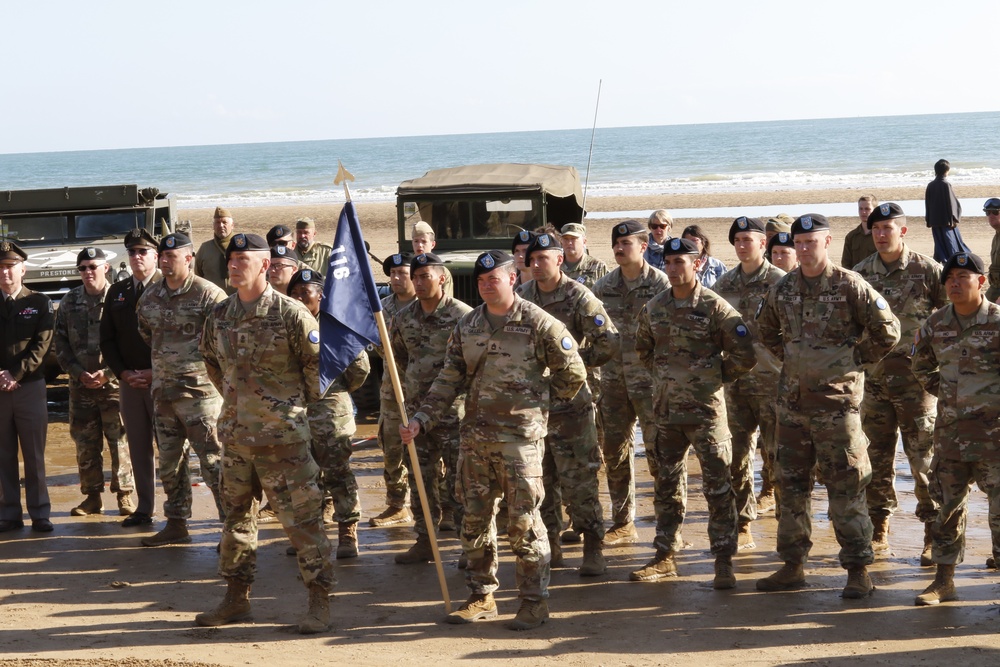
(246, 243)
(744, 224)
(523, 237)
(305, 276)
(277, 232)
(886, 211)
(305, 223)
(425, 259)
(173, 242)
(283, 252)
(490, 260)
(963, 260)
(222, 213)
(627, 228)
(809, 223)
(10, 252)
(137, 238)
(574, 230)
(91, 253)
(395, 261)
(542, 242)
(783, 239)
(680, 246)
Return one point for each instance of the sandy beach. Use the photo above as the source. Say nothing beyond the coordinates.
(378, 220)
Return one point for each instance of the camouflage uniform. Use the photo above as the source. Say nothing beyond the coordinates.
(317, 257)
(572, 453)
(959, 362)
(419, 343)
(394, 465)
(265, 363)
(626, 388)
(93, 413)
(587, 271)
(692, 347)
(186, 403)
(824, 329)
(993, 291)
(894, 400)
(503, 373)
(750, 399)
(331, 426)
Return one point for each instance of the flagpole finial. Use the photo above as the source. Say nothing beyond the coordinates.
(343, 176)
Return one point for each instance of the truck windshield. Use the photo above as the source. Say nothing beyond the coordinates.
(105, 225)
(474, 218)
(26, 230)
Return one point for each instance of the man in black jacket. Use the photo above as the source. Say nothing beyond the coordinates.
(943, 212)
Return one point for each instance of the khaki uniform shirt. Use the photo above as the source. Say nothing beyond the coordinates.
(858, 246)
(210, 263)
(317, 257)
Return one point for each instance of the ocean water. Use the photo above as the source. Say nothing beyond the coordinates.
(870, 153)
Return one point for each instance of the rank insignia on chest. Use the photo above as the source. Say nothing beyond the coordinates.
(242, 338)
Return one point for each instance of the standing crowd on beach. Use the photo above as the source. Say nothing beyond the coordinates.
(516, 405)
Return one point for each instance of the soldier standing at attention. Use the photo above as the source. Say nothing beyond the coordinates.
(518, 249)
(26, 321)
(693, 342)
(284, 264)
(750, 399)
(572, 453)
(261, 350)
(894, 401)
(94, 409)
(210, 261)
(312, 253)
(331, 425)
(824, 323)
(499, 354)
(280, 235)
(956, 357)
(130, 358)
(419, 333)
(992, 210)
(394, 469)
(781, 252)
(580, 265)
(171, 317)
(626, 384)
(859, 243)
(423, 240)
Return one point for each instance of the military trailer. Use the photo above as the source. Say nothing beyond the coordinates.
(53, 225)
(477, 208)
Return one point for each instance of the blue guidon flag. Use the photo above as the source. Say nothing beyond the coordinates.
(350, 300)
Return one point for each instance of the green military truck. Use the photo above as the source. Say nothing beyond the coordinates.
(53, 225)
(482, 207)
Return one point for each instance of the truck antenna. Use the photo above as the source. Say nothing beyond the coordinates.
(590, 157)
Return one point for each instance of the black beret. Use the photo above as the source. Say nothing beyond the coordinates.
(277, 232)
(395, 261)
(425, 259)
(992, 202)
(11, 252)
(521, 238)
(783, 239)
(887, 211)
(89, 253)
(490, 260)
(306, 276)
(139, 237)
(542, 242)
(173, 241)
(246, 243)
(963, 260)
(627, 228)
(809, 223)
(284, 252)
(744, 224)
(680, 246)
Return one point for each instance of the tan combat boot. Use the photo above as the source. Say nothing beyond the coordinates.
(175, 532)
(347, 540)
(880, 535)
(531, 615)
(447, 522)
(660, 567)
(266, 514)
(859, 584)
(744, 539)
(788, 577)
(765, 499)
(942, 589)
(391, 517)
(593, 557)
(234, 607)
(92, 504)
(621, 533)
(724, 576)
(927, 556)
(479, 606)
(317, 619)
(556, 560)
(126, 503)
(329, 511)
(419, 553)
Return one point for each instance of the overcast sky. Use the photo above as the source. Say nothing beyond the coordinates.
(92, 74)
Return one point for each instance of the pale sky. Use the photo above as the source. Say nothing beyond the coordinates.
(94, 75)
